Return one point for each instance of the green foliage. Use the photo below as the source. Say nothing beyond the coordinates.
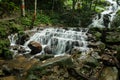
(26, 20)
(4, 43)
(3, 32)
(7, 54)
(70, 18)
(7, 8)
(4, 49)
(44, 19)
(116, 21)
(15, 27)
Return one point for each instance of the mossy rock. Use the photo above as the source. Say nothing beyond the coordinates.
(113, 37)
(98, 35)
(102, 46)
(32, 77)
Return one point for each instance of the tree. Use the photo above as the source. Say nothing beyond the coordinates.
(23, 8)
(34, 16)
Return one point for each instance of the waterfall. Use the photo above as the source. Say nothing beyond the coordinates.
(103, 19)
(61, 40)
(12, 38)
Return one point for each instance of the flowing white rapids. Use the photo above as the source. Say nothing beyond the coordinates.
(110, 10)
(60, 40)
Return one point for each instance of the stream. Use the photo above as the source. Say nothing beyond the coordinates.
(60, 41)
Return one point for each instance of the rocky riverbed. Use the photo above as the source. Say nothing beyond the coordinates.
(101, 62)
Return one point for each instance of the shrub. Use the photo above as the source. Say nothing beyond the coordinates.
(15, 27)
(3, 32)
(41, 18)
(4, 49)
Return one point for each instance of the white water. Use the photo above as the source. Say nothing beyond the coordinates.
(58, 39)
(61, 41)
(111, 10)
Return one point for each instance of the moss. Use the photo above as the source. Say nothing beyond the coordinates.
(98, 35)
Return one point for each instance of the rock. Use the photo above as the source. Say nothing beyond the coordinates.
(91, 61)
(109, 73)
(97, 35)
(1, 73)
(44, 56)
(108, 60)
(113, 37)
(21, 50)
(35, 47)
(60, 61)
(6, 70)
(22, 38)
(98, 44)
(8, 78)
(48, 50)
(32, 77)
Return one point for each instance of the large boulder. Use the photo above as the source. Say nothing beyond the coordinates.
(35, 47)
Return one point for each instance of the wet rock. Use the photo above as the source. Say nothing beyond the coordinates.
(22, 38)
(109, 73)
(21, 50)
(35, 47)
(48, 50)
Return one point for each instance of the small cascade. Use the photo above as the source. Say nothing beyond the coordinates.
(59, 40)
(12, 38)
(103, 20)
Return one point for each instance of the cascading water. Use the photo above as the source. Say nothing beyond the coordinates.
(60, 40)
(103, 20)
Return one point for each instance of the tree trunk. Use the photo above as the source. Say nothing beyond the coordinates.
(34, 16)
(23, 8)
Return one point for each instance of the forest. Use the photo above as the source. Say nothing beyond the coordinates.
(59, 39)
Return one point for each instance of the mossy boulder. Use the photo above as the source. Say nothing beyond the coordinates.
(98, 35)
